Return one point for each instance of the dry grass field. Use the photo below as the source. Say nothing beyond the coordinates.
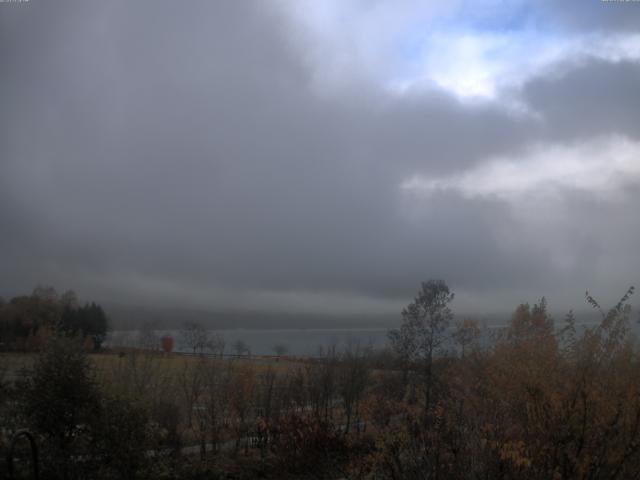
(109, 365)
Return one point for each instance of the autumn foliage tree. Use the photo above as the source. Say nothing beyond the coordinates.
(540, 403)
(422, 333)
(166, 342)
(466, 335)
(59, 400)
(28, 321)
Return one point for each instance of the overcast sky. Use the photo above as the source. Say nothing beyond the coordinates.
(320, 156)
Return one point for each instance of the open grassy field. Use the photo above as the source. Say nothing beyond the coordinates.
(109, 364)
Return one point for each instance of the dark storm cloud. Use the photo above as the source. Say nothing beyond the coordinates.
(594, 98)
(185, 143)
(592, 16)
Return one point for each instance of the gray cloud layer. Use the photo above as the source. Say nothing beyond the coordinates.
(181, 151)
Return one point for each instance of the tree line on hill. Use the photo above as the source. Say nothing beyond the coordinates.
(539, 401)
(27, 321)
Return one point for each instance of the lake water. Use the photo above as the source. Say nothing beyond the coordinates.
(299, 342)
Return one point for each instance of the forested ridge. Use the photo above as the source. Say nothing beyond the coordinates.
(28, 321)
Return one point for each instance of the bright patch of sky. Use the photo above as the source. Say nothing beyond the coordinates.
(479, 64)
(470, 49)
(602, 167)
